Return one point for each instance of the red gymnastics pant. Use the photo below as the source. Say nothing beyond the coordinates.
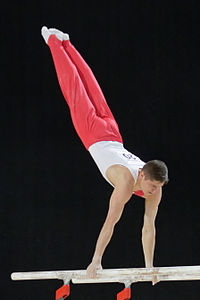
(90, 113)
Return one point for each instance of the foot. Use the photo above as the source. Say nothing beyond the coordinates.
(59, 34)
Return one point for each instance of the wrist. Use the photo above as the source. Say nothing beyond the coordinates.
(149, 265)
(96, 260)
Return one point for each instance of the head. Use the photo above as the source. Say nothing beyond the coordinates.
(153, 175)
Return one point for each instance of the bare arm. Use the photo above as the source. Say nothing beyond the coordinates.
(121, 194)
(148, 230)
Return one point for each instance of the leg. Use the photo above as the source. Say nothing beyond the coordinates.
(90, 83)
(89, 125)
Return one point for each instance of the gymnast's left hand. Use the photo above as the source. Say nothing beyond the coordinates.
(92, 269)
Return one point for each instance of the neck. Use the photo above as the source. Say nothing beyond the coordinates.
(137, 185)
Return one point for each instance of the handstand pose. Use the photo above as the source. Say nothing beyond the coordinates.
(100, 135)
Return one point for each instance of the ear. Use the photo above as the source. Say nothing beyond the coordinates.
(141, 174)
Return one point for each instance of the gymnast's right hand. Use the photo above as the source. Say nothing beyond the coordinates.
(92, 269)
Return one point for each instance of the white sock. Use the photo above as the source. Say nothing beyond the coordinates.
(45, 33)
(59, 34)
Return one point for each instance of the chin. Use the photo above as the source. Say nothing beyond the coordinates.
(148, 193)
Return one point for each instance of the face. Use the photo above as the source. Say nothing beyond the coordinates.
(150, 187)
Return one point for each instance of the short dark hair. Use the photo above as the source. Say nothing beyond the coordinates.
(156, 170)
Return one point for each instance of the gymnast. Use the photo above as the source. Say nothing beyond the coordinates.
(99, 132)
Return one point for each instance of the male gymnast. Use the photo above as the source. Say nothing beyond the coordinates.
(99, 132)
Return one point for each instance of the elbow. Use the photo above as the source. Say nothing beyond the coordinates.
(111, 221)
(114, 216)
(148, 233)
(148, 229)
(149, 223)
(108, 227)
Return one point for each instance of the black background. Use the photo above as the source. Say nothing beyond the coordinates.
(145, 55)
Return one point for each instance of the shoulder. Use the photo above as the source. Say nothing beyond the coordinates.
(120, 174)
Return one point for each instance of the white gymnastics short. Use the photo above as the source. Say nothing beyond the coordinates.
(108, 153)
